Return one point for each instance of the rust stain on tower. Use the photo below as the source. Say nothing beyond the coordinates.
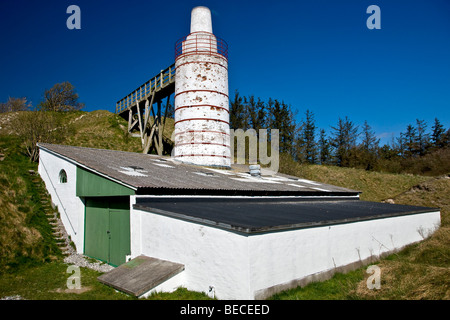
(201, 95)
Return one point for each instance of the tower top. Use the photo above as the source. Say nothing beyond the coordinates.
(201, 20)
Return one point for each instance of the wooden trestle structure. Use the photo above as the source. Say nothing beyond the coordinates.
(145, 102)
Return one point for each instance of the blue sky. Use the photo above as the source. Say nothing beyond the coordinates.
(316, 54)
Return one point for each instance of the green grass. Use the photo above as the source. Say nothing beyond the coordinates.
(31, 265)
(339, 287)
(25, 234)
(375, 186)
(48, 281)
(419, 271)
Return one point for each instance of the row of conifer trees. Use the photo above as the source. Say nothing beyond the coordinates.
(419, 149)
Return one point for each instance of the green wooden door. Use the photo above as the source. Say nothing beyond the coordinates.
(119, 236)
(107, 229)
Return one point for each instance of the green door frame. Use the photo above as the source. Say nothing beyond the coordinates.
(107, 229)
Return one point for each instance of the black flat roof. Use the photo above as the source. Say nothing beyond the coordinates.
(257, 215)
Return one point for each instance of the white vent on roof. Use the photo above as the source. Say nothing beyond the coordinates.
(163, 165)
(296, 185)
(133, 171)
(308, 181)
(225, 172)
(255, 170)
(207, 174)
(255, 179)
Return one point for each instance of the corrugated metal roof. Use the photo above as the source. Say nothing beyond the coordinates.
(151, 174)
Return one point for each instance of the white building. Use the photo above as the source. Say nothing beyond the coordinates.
(223, 232)
(166, 223)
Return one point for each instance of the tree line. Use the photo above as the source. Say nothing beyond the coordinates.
(45, 123)
(416, 150)
(419, 149)
(61, 97)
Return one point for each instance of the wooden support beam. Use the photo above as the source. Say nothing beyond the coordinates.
(165, 113)
(144, 107)
(160, 133)
(130, 119)
(147, 109)
(140, 122)
(150, 138)
(133, 125)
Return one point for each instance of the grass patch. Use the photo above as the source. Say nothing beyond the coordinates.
(49, 282)
(31, 264)
(179, 294)
(421, 271)
(375, 186)
(339, 287)
(25, 234)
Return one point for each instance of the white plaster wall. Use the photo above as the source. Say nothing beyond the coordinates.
(169, 285)
(278, 258)
(201, 105)
(211, 256)
(238, 266)
(63, 195)
(135, 229)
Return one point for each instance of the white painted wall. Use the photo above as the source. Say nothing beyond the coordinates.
(169, 285)
(211, 256)
(244, 267)
(278, 258)
(63, 195)
(239, 266)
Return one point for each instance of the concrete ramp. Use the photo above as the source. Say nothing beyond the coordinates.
(140, 275)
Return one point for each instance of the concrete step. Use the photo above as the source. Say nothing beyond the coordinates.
(140, 275)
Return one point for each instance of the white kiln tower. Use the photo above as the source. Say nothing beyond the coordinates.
(202, 130)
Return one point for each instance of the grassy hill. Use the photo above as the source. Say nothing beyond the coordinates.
(31, 264)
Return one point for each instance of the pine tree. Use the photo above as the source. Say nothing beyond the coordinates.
(324, 148)
(438, 135)
(400, 145)
(344, 139)
(423, 138)
(237, 113)
(368, 148)
(308, 138)
(282, 118)
(256, 113)
(410, 141)
(446, 139)
(370, 142)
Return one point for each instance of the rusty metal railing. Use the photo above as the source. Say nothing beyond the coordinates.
(201, 42)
